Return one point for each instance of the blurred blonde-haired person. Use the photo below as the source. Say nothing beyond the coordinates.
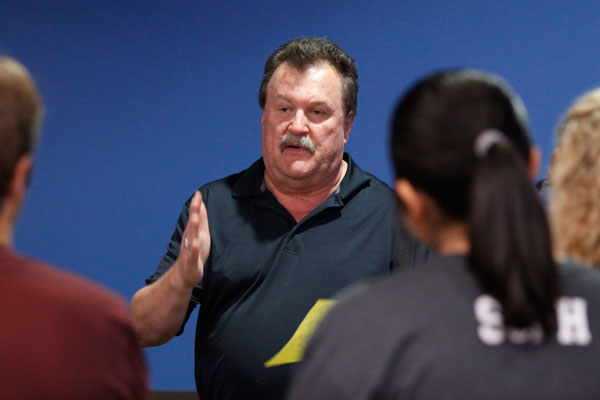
(575, 182)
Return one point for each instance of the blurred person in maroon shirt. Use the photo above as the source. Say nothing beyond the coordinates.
(62, 337)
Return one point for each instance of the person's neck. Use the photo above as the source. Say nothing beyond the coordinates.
(301, 199)
(6, 229)
(452, 239)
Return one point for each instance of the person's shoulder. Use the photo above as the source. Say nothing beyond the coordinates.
(370, 317)
(577, 276)
(368, 193)
(439, 274)
(369, 321)
(382, 189)
(244, 180)
(61, 288)
(374, 181)
(101, 314)
(224, 182)
(82, 322)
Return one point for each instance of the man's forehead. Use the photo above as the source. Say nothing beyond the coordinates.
(321, 71)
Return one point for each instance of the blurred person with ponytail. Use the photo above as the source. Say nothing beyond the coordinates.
(493, 316)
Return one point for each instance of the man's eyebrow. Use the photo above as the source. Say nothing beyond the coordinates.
(312, 103)
(282, 97)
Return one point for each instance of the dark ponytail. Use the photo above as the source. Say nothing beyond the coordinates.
(436, 140)
(510, 247)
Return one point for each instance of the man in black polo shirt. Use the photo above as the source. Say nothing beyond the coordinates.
(263, 251)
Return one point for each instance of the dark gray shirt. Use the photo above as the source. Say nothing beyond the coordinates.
(431, 333)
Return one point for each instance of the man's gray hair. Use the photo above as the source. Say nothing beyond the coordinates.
(305, 52)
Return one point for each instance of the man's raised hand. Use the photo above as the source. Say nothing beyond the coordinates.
(195, 243)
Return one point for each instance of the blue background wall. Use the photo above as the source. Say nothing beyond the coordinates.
(148, 100)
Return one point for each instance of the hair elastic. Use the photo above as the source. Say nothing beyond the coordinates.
(486, 139)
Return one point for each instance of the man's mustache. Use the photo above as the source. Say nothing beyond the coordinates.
(303, 142)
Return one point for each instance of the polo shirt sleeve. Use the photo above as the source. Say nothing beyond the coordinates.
(171, 256)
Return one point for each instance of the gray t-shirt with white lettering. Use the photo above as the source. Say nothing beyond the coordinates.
(431, 333)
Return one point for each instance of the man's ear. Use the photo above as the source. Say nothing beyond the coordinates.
(348, 127)
(413, 200)
(20, 178)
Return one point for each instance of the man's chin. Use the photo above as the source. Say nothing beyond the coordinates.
(298, 170)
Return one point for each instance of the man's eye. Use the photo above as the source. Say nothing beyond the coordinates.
(284, 109)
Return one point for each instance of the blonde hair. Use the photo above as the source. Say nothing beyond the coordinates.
(20, 115)
(575, 178)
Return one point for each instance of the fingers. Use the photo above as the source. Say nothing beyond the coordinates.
(195, 243)
(203, 234)
(190, 234)
(191, 231)
(202, 215)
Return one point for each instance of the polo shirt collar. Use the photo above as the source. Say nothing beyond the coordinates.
(252, 181)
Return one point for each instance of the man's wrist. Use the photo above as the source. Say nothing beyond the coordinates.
(179, 282)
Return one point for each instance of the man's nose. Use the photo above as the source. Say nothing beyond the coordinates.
(299, 123)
